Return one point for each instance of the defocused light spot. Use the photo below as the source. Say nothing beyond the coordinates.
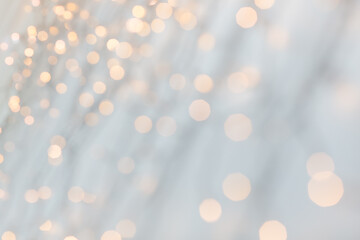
(45, 77)
(126, 228)
(143, 124)
(54, 151)
(8, 235)
(99, 87)
(186, 19)
(325, 189)
(272, 230)
(124, 50)
(1, 158)
(206, 42)
(46, 226)
(177, 81)
(319, 162)
(238, 82)
(126, 165)
(58, 140)
(199, 110)
(238, 127)
(111, 44)
(61, 88)
(117, 72)
(31, 196)
(236, 187)
(70, 238)
(246, 17)
(210, 210)
(111, 235)
(86, 100)
(163, 10)
(264, 4)
(76, 194)
(203, 83)
(100, 31)
(93, 57)
(44, 193)
(138, 11)
(106, 107)
(91, 119)
(60, 47)
(166, 126)
(134, 25)
(157, 25)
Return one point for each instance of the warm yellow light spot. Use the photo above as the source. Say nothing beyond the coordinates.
(203, 83)
(76, 194)
(238, 82)
(46, 226)
(15, 37)
(117, 72)
(186, 19)
(157, 25)
(54, 151)
(99, 87)
(29, 120)
(126, 165)
(55, 161)
(8, 235)
(126, 228)
(60, 47)
(246, 17)
(164, 10)
(53, 30)
(61, 88)
(86, 100)
(1, 158)
(52, 60)
(143, 124)
(139, 11)
(91, 119)
(264, 4)
(73, 7)
(72, 36)
(58, 140)
(93, 57)
(44, 193)
(319, 162)
(31, 196)
(100, 31)
(236, 187)
(14, 103)
(70, 238)
(166, 126)
(9, 61)
(91, 39)
(124, 50)
(134, 25)
(210, 210)
(111, 44)
(177, 81)
(238, 127)
(206, 42)
(199, 110)
(106, 107)
(29, 52)
(272, 230)
(325, 189)
(111, 235)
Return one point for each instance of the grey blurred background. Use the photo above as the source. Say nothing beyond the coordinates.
(304, 99)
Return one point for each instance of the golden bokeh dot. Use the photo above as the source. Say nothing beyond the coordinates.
(325, 189)
(99, 87)
(46, 226)
(126, 228)
(143, 124)
(203, 83)
(100, 31)
(45, 77)
(199, 110)
(70, 238)
(186, 19)
(54, 151)
(157, 25)
(236, 187)
(44, 192)
(264, 4)
(29, 120)
(76, 194)
(111, 44)
(117, 72)
(246, 17)
(111, 235)
(238, 127)
(61, 88)
(210, 210)
(166, 126)
(238, 82)
(272, 230)
(106, 107)
(124, 50)
(31, 196)
(319, 162)
(134, 25)
(164, 10)
(58, 140)
(60, 47)
(1, 158)
(206, 42)
(177, 81)
(139, 11)
(86, 100)
(8, 235)
(93, 57)
(126, 165)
